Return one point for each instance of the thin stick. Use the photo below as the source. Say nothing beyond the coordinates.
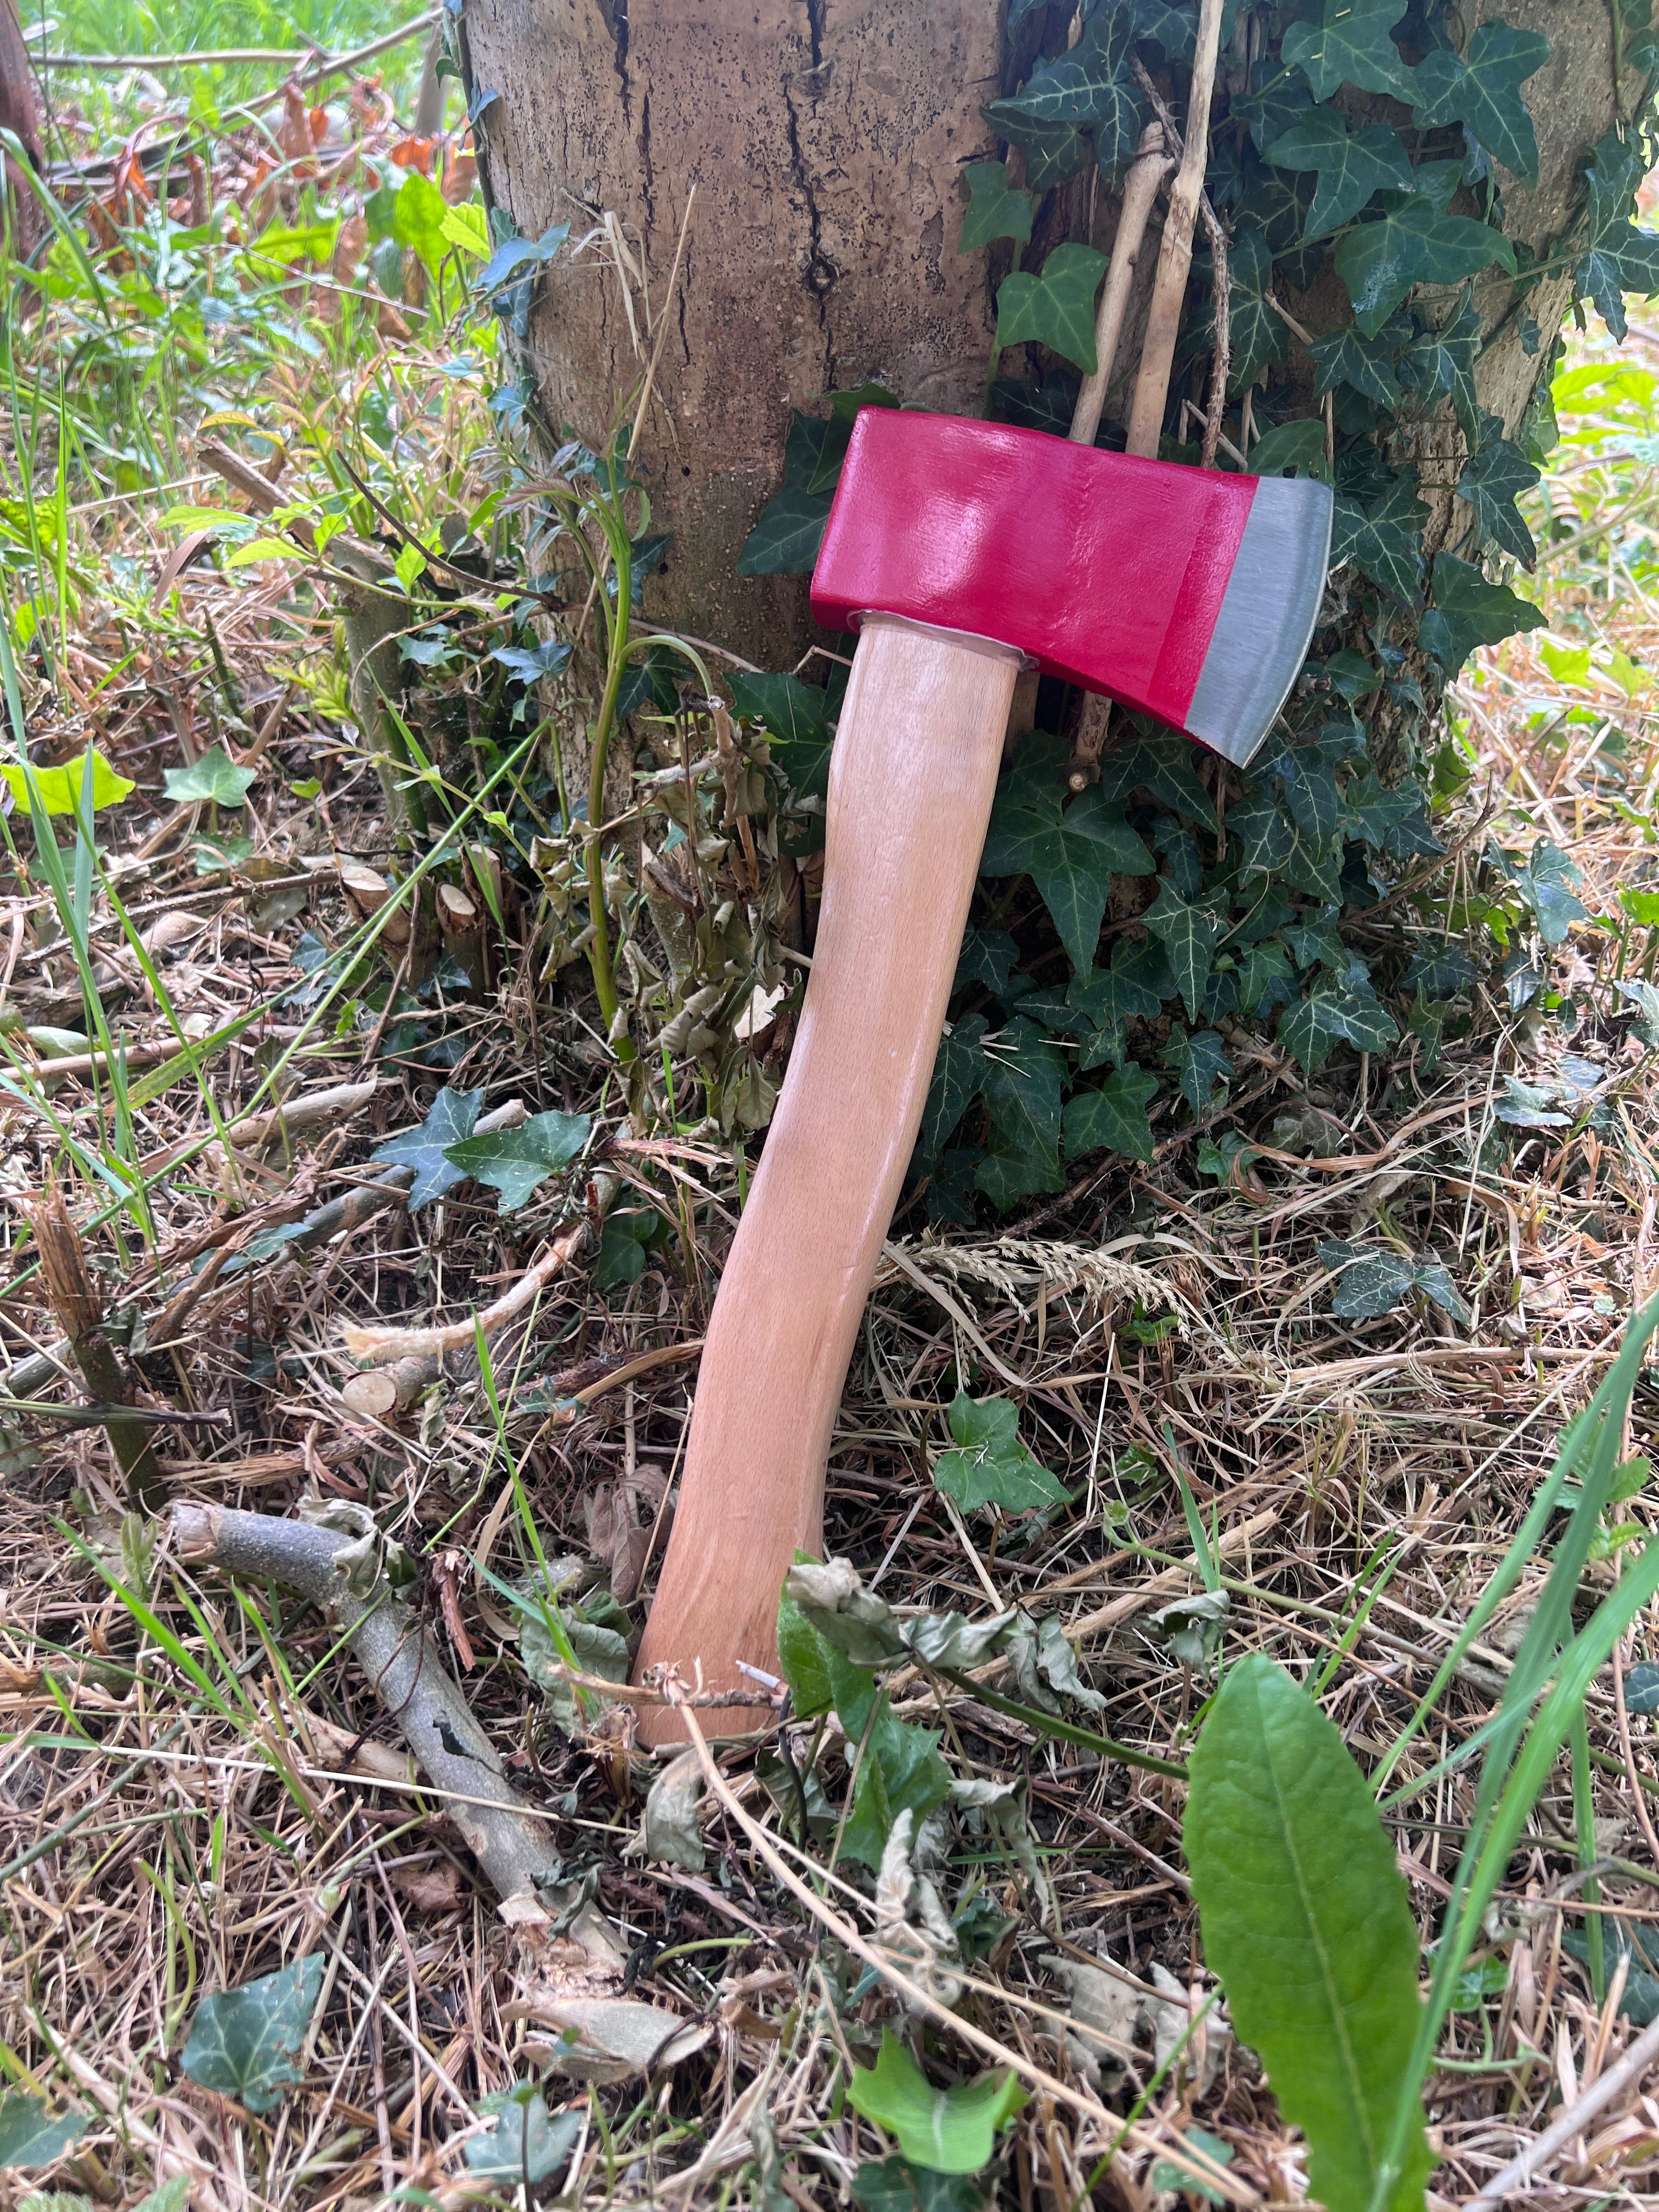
(1176, 253)
(662, 332)
(1504, 2188)
(1150, 165)
(376, 1347)
(240, 57)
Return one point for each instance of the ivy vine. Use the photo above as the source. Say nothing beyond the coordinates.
(1130, 936)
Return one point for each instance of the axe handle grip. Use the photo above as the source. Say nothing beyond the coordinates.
(911, 781)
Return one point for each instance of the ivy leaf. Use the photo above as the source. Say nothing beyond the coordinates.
(1271, 111)
(1052, 151)
(1309, 783)
(1087, 87)
(1351, 166)
(1366, 366)
(453, 1116)
(1619, 257)
(1350, 46)
(1385, 540)
(31, 2135)
(243, 2042)
(1306, 1919)
(1057, 308)
(1545, 882)
(1071, 853)
(947, 2131)
(1022, 1081)
(1200, 1063)
(1468, 611)
(985, 957)
(959, 1074)
(1440, 363)
(1265, 980)
(1114, 1118)
(1393, 821)
(1370, 1281)
(899, 1769)
(214, 776)
(1299, 445)
(1163, 767)
(527, 2144)
(62, 790)
(1439, 971)
(996, 209)
(1492, 480)
(1482, 91)
(1188, 935)
(516, 1162)
(1332, 1015)
(1380, 261)
(785, 542)
(895, 2185)
(795, 717)
(990, 1466)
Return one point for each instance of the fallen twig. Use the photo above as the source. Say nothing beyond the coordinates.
(375, 1347)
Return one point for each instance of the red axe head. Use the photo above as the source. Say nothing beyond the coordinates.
(1186, 593)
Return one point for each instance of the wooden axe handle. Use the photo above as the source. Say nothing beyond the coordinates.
(911, 781)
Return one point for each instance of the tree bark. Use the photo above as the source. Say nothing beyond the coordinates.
(825, 142)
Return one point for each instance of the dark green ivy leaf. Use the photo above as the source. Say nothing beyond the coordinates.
(516, 1162)
(453, 1113)
(990, 1466)
(1114, 1118)
(958, 1078)
(1056, 309)
(1468, 611)
(985, 957)
(245, 2042)
(1351, 46)
(1438, 971)
(1366, 366)
(1271, 111)
(1440, 364)
(1370, 1281)
(31, 2135)
(1200, 1062)
(1070, 852)
(1265, 980)
(1380, 260)
(1188, 935)
(996, 209)
(1163, 767)
(1492, 480)
(1482, 91)
(1618, 257)
(1022, 1080)
(1258, 332)
(1089, 87)
(785, 542)
(1330, 1016)
(795, 717)
(1350, 165)
(1384, 541)
(1299, 445)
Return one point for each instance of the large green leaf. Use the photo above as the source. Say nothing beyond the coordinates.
(1350, 165)
(453, 1116)
(1200, 1063)
(1350, 44)
(213, 777)
(1618, 258)
(1482, 90)
(1089, 87)
(1306, 1919)
(1162, 766)
(1070, 852)
(31, 2134)
(245, 2042)
(785, 542)
(1257, 332)
(1022, 1080)
(990, 1466)
(1380, 261)
(528, 2145)
(959, 1073)
(1492, 480)
(1331, 1015)
(1188, 935)
(1366, 365)
(1440, 363)
(1468, 611)
(1386, 539)
(64, 790)
(795, 716)
(951, 2131)
(1057, 308)
(516, 1162)
(1114, 1118)
(996, 209)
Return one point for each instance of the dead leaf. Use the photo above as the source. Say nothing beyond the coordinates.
(1104, 2008)
(431, 1888)
(670, 1829)
(606, 2040)
(911, 1921)
(620, 1517)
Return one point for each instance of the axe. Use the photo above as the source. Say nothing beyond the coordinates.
(961, 552)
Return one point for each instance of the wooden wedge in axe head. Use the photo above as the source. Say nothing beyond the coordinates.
(959, 551)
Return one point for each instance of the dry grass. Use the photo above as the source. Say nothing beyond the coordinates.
(194, 1799)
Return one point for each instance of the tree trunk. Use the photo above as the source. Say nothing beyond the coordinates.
(824, 142)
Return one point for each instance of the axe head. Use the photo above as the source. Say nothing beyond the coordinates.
(1184, 592)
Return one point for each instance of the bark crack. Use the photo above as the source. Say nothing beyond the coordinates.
(820, 273)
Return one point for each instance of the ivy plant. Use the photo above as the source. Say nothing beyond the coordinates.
(1131, 919)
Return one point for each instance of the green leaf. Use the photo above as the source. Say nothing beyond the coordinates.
(899, 1771)
(1057, 308)
(1440, 363)
(1070, 852)
(1265, 980)
(453, 1116)
(807, 1660)
(1492, 480)
(1113, 1118)
(213, 777)
(1306, 1919)
(1331, 1015)
(510, 258)
(31, 2135)
(948, 2130)
(1022, 1081)
(1299, 446)
(1385, 540)
(990, 1464)
(61, 790)
(1188, 935)
(1271, 111)
(516, 1162)
(959, 1073)
(1370, 1281)
(1482, 91)
(785, 541)
(1380, 261)
(243, 2042)
(895, 2185)
(1350, 46)
(1365, 365)
(528, 2145)
(795, 716)
(1351, 166)
(1200, 1063)
(1163, 767)
(419, 217)
(996, 209)
(1087, 87)
(1166, 2174)
(1468, 611)
(625, 1239)
(1257, 332)
(1618, 257)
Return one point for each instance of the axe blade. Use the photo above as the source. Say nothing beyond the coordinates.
(1186, 593)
